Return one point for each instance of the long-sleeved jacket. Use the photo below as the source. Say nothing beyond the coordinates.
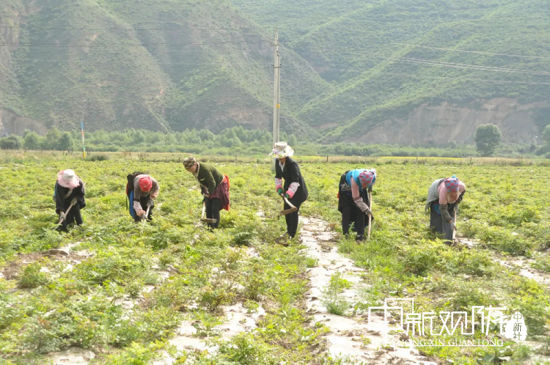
(356, 189)
(437, 193)
(291, 174)
(209, 178)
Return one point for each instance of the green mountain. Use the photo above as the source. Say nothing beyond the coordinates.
(125, 64)
(409, 72)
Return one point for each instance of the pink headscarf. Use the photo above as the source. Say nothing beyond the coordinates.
(366, 177)
(451, 183)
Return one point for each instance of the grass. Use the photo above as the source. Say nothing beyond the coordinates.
(196, 272)
(332, 301)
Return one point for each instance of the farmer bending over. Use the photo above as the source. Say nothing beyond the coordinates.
(146, 189)
(353, 199)
(443, 198)
(294, 188)
(214, 188)
(69, 198)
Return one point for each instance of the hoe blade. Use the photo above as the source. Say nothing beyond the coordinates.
(288, 211)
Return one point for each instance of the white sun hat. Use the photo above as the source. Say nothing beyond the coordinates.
(282, 149)
(67, 179)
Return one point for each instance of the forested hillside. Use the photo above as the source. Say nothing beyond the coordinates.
(408, 72)
(419, 70)
(118, 64)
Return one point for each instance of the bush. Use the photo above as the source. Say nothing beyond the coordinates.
(98, 158)
(10, 143)
(31, 141)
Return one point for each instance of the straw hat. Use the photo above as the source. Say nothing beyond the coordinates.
(67, 179)
(281, 150)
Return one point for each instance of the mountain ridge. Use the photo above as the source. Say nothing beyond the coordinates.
(347, 69)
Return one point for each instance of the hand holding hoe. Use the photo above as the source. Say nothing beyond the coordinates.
(292, 208)
(63, 215)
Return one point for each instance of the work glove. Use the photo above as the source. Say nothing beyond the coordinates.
(287, 196)
(280, 191)
(453, 226)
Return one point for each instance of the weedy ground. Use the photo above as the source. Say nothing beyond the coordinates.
(95, 298)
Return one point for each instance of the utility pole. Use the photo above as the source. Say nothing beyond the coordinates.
(276, 89)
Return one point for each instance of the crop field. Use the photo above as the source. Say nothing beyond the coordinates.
(119, 291)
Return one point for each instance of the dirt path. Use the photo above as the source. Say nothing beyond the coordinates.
(351, 338)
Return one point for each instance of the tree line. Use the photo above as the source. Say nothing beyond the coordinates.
(238, 140)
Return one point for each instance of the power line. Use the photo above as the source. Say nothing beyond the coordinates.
(407, 75)
(477, 68)
(219, 31)
(474, 67)
(384, 73)
(437, 63)
(474, 52)
(127, 27)
(58, 45)
(482, 80)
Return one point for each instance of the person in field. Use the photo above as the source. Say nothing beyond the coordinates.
(214, 188)
(69, 198)
(444, 195)
(354, 200)
(142, 190)
(294, 187)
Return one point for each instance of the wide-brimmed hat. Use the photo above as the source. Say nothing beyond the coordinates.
(189, 162)
(281, 150)
(67, 179)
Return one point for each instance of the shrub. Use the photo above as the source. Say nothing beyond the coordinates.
(98, 158)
